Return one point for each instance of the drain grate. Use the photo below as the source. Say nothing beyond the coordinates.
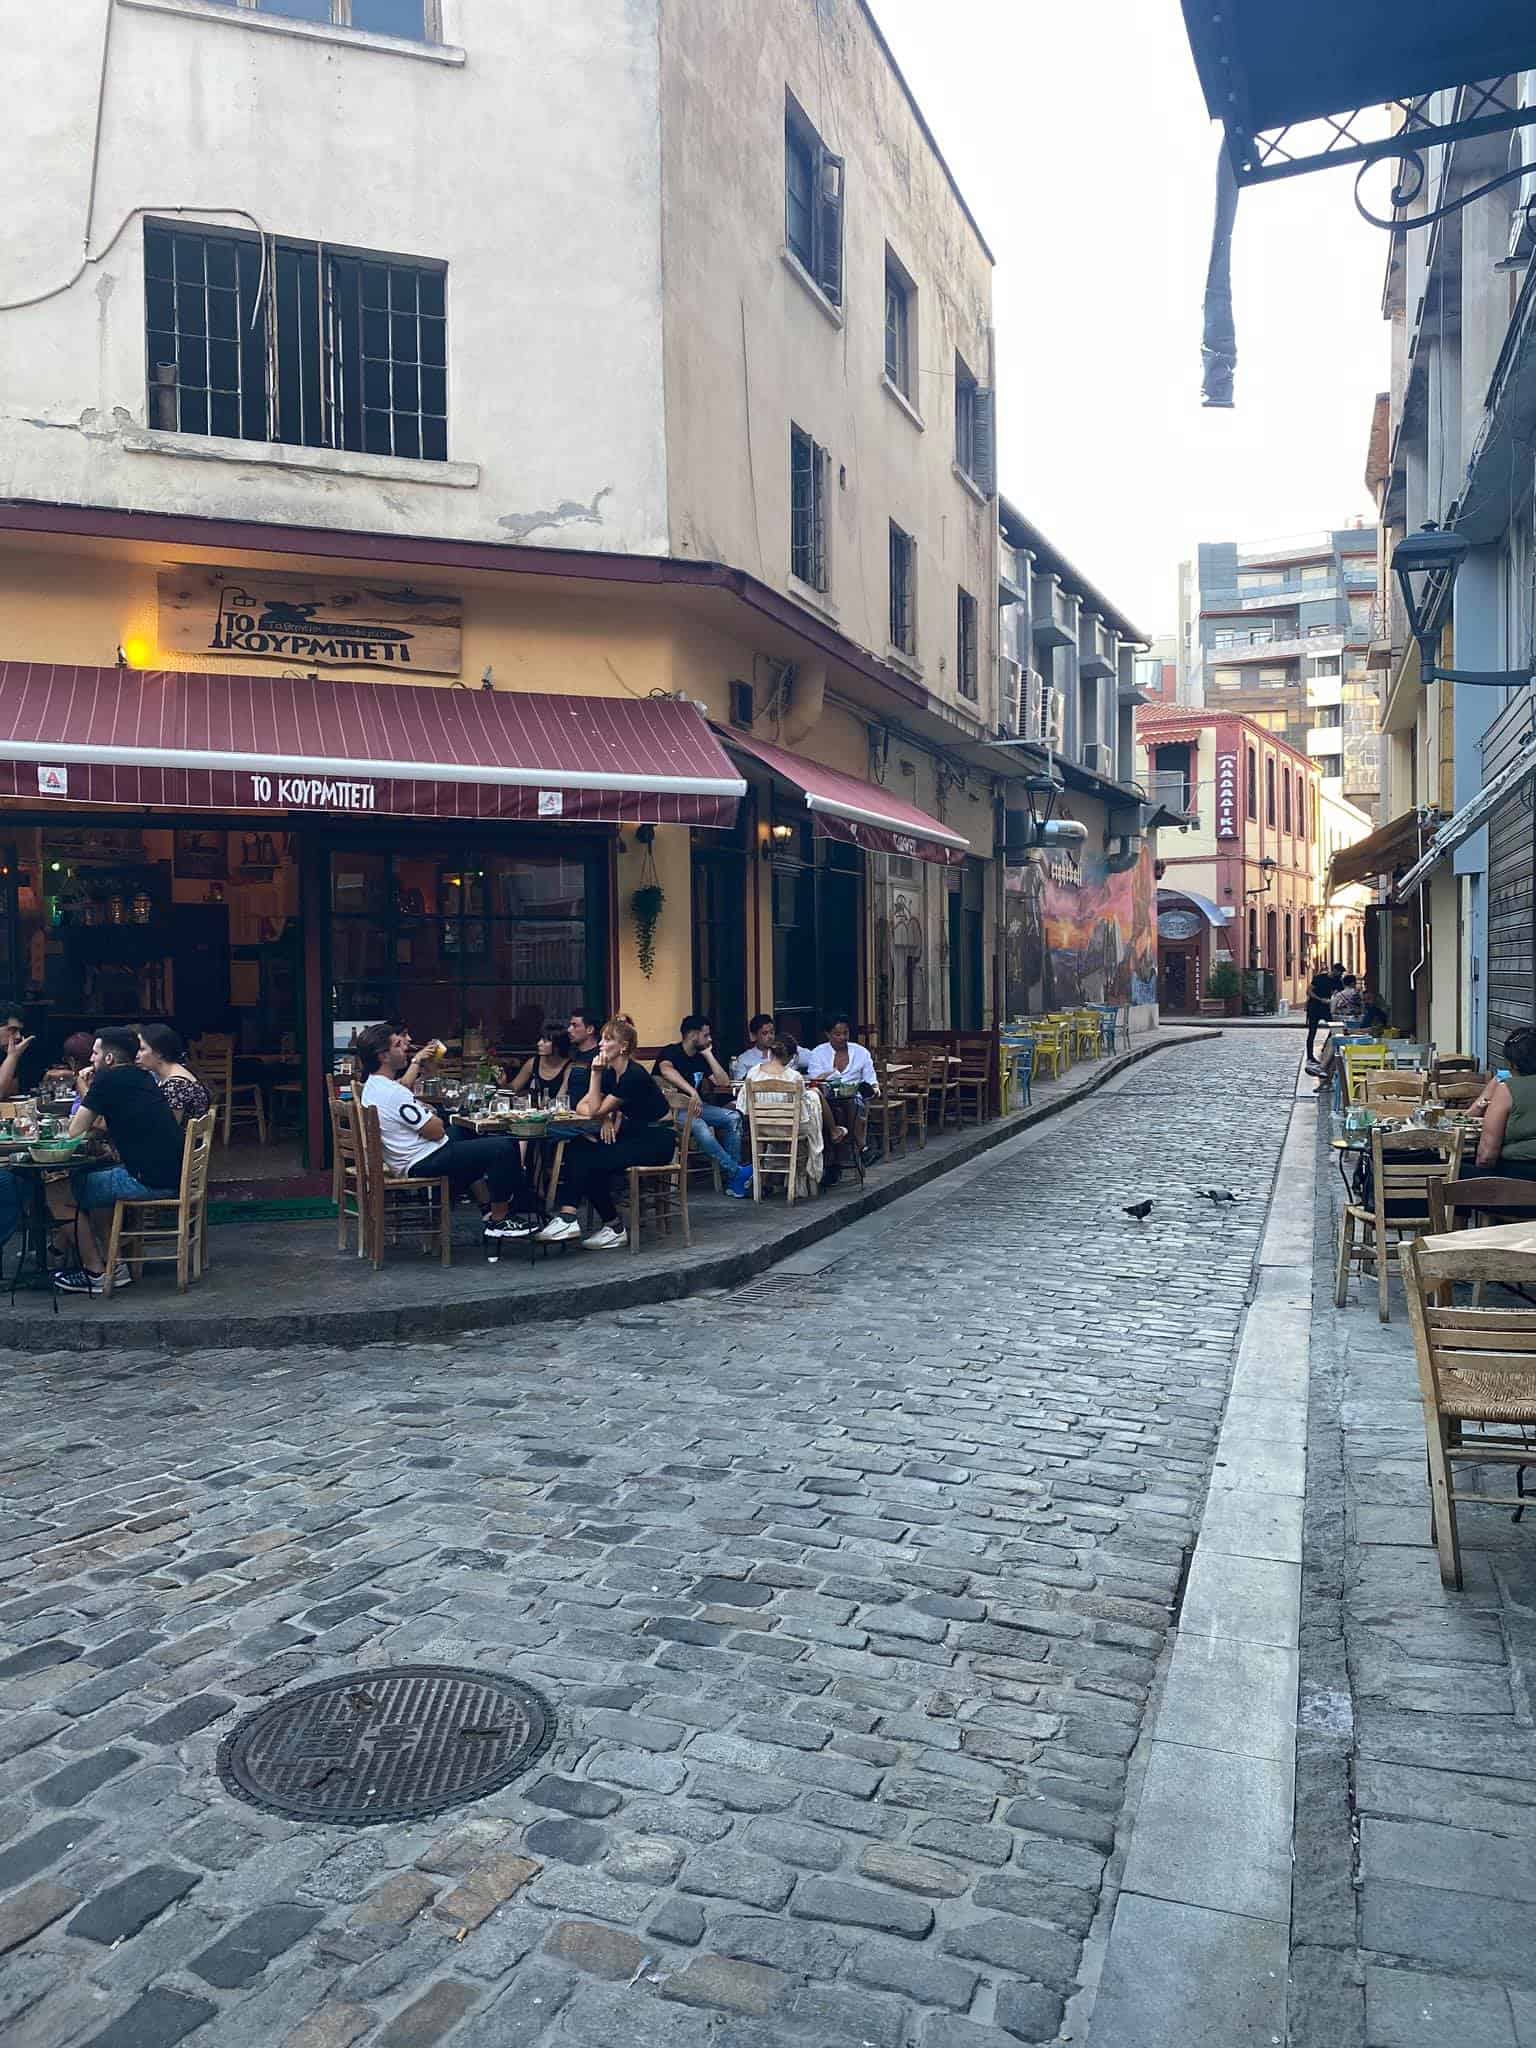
(395, 1744)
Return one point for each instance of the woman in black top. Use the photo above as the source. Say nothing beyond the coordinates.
(636, 1130)
(545, 1078)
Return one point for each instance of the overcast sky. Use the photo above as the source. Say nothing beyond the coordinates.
(1081, 142)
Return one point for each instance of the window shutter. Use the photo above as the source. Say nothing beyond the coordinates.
(829, 225)
(984, 440)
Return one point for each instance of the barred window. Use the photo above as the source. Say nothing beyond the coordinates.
(813, 202)
(900, 320)
(903, 551)
(965, 645)
(262, 339)
(808, 468)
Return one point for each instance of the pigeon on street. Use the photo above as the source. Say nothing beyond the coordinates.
(1140, 1210)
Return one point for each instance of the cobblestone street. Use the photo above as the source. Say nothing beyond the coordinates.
(848, 1588)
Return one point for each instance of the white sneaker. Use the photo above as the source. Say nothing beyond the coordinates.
(557, 1230)
(608, 1239)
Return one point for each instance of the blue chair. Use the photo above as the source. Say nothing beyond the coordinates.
(1110, 1012)
(1021, 1055)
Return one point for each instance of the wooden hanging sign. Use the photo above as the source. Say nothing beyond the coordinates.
(311, 624)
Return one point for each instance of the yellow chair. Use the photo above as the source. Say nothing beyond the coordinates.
(1049, 1048)
(1087, 1034)
(1360, 1060)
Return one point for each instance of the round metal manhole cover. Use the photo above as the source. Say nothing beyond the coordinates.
(395, 1744)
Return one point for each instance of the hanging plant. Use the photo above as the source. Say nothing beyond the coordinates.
(645, 908)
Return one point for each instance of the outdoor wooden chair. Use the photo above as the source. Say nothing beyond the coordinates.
(887, 1112)
(774, 1133)
(1477, 1366)
(347, 1172)
(974, 1075)
(663, 1188)
(914, 1084)
(1394, 1091)
(397, 1206)
(1049, 1050)
(1017, 1062)
(1358, 1061)
(943, 1095)
(1489, 1197)
(212, 1059)
(1459, 1064)
(1404, 1164)
(678, 1099)
(1407, 1052)
(157, 1229)
(1087, 1035)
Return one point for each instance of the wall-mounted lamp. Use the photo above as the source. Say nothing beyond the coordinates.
(775, 838)
(122, 659)
(1267, 867)
(1426, 564)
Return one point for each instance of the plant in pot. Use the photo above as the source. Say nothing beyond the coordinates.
(1222, 989)
(645, 905)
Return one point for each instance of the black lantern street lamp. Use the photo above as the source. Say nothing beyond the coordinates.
(1040, 793)
(1267, 867)
(1425, 565)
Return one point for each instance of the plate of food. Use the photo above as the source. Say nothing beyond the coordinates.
(55, 1151)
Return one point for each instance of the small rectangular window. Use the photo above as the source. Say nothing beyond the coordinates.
(903, 551)
(743, 706)
(413, 20)
(813, 202)
(1269, 791)
(965, 645)
(900, 323)
(808, 468)
(975, 443)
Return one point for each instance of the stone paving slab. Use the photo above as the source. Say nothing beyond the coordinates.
(275, 1283)
(849, 1587)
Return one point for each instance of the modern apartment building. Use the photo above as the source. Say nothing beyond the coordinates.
(1280, 632)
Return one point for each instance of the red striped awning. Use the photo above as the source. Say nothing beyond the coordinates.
(157, 739)
(861, 813)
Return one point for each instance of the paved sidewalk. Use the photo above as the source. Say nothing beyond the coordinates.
(1415, 1883)
(285, 1282)
(849, 1587)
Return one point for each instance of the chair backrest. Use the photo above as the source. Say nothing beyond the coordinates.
(684, 1105)
(346, 1135)
(1456, 1063)
(1387, 1086)
(1483, 1194)
(773, 1106)
(1457, 1093)
(213, 1062)
(196, 1157)
(977, 1052)
(1360, 1060)
(918, 1061)
(1498, 1345)
(1404, 1052)
(1403, 1164)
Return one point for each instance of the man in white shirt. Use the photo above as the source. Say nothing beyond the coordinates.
(763, 1032)
(841, 1058)
(416, 1144)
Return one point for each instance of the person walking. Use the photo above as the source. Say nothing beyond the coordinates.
(1320, 993)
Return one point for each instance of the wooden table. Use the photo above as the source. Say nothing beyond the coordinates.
(1519, 1238)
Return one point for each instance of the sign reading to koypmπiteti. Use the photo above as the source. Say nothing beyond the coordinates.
(378, 624)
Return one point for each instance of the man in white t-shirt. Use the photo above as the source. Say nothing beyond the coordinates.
(416, 1143)
(763, 1032)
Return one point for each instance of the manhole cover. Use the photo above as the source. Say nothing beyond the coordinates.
(386, 1745)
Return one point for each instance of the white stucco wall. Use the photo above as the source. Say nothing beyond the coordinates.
(531, 168)
(750, 349)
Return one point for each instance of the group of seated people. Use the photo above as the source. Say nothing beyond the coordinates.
(598, 1075)
(1335, 997)
(130, 1085)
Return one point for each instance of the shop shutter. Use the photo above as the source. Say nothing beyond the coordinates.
(1511, 963)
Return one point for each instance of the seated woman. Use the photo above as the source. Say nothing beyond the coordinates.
(780, 1062)
(636, 1130)
(1507, 1144)
(840, 1058)
(161, 1053)
(545, 1077)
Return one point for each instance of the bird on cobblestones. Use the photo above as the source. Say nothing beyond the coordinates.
(1140, 1210)
(1218, 1194)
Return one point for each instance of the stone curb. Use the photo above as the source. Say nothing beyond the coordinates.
(344, 1328)
(1198, 1950)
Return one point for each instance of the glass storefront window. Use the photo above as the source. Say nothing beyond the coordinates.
(465, 941)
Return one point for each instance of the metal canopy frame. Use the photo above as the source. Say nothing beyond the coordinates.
(1320, 142)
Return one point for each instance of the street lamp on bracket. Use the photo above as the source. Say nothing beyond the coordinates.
(1267, 867)
(1041, 791)
(1426, 564)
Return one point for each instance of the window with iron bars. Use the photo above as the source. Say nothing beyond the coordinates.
(903, 596)
(807, 509)
(900, 295)
(262, 339)
(416, 20)
(965, 644)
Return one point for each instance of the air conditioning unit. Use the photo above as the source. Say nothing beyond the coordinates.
(1010, 686)
(1099, 759)
(1053, 717)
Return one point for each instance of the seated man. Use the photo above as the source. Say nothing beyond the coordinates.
(416, 1144)
(841, 1059)
(584, 1029)
(691, 1065)
(14, 1045)
(116, 1092)
(763, 1032)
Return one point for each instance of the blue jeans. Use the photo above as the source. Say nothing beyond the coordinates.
(725, 1150)
(98, 1187)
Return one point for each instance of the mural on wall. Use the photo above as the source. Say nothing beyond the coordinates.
(1078, 934)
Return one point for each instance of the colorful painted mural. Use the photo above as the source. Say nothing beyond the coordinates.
(1077, 933)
